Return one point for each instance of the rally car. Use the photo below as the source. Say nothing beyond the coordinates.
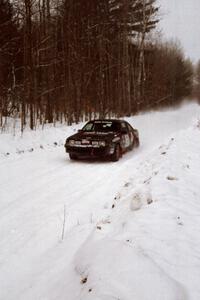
(108, 138)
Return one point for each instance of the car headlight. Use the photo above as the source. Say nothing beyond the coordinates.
(102, 143)
(116, 139)
(98, 143)
(71, 142)
(95, 143)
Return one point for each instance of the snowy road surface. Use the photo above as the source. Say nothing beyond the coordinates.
(78, 230)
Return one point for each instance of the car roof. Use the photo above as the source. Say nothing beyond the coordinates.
(107, 120)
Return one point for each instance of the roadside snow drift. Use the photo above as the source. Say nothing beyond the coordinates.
(101, 230)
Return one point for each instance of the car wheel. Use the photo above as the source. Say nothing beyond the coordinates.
(137, 143)
(131, 146)
(73, 156)
(117, 153)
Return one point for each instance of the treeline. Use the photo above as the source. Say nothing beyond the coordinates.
(65, 60)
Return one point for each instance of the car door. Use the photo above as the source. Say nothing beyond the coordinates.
(131, 134)
(125, 136)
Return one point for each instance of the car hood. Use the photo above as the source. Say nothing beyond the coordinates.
(97, 136)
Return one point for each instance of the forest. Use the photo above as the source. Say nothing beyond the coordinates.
(69, 60)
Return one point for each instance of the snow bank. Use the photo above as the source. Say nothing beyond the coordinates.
(48, 137)
(150, 248)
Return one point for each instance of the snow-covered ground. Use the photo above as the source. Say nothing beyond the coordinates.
(80, 230)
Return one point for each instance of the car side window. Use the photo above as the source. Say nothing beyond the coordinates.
(131, 135)
(129, 127)
(124, 127)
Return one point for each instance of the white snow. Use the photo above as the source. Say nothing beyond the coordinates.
(131, 228)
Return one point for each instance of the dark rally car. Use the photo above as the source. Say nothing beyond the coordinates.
(101, 139)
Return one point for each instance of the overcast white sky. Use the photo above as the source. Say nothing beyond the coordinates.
(181, 19)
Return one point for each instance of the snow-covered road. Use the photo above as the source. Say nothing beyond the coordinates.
(84, 255)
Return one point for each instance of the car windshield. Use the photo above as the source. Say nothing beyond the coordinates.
(102, 126)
